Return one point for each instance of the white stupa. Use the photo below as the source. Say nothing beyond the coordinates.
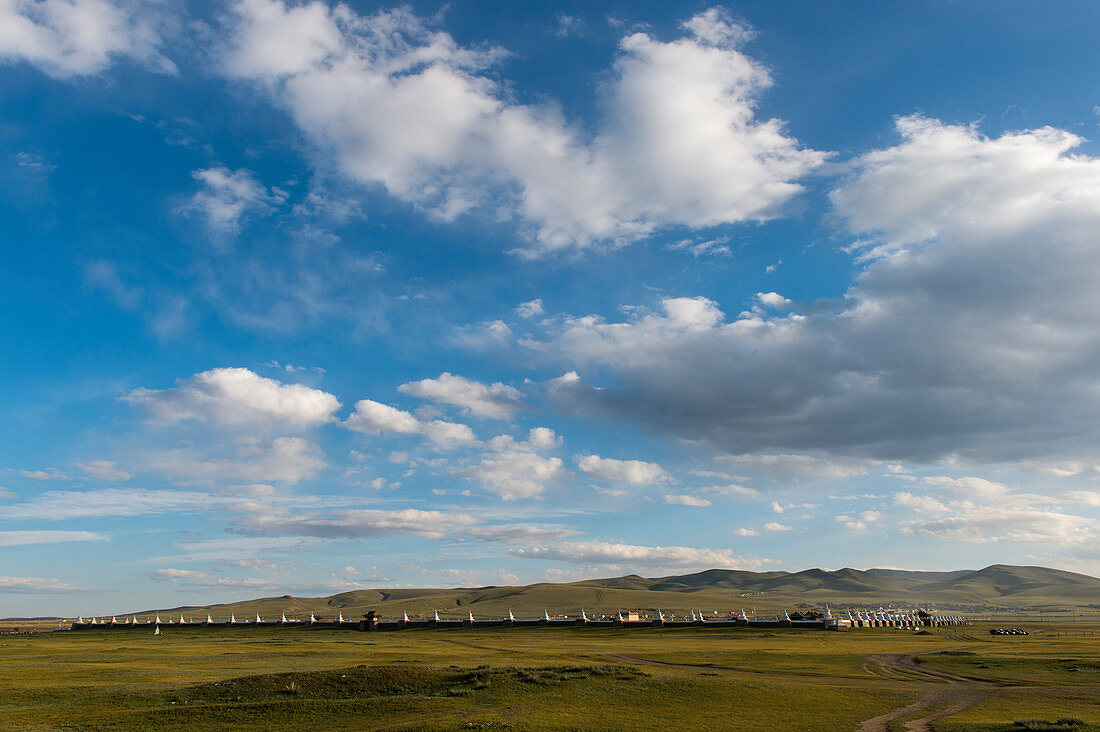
(209, 620)
(258, 618)
(80, 619)
(157, 621)
(584, 618)
(182, 621)
(511, 617)
(312, 619)
(232, 619)
(660, 616)
(435, 615)
(545, 615)
(404, 617)
(340, 618)
(471, 616)
(282, 619)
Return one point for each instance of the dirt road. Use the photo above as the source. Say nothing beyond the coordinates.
(937, 688)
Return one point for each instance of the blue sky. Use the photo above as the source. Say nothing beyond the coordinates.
(308, 297)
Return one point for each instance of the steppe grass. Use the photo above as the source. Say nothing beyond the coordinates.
(562, 678)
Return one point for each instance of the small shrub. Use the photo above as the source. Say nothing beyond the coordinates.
(293, 688)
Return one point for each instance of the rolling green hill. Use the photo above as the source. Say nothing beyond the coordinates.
(714, 589)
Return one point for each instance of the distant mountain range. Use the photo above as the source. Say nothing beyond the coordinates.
(714, 589)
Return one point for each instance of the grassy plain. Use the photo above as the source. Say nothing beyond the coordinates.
(557, 678)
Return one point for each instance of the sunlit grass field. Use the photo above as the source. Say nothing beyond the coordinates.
(543, 678)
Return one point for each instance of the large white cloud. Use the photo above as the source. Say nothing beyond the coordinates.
(373, 418)
(481, 400)
(972, 330)
(514, 469)
(398, 105)
(635, 472)
(236, 396)
(66, 38)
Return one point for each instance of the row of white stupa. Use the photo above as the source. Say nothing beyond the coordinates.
(693, 617)
(184, 621)
(886, 619)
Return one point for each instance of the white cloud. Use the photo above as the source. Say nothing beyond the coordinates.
(731, 489)
(35, 585)
(634, 472)
(236, 396)
(66, 38)
(375, 418)
(25, 538)
(860, 523)
(923, 503)
(178, 574)
(1017, 523)
(744, 531)
(529, 309)
(711, 247)
(686, 500)
(773, 300)
(47, 474)
(516, 469)
(481, 400)
(681, 145)
(969, 329)
(787, 466)
(104, 470)
(774, 526)
(227, 196)
(968, 485)
(1085, 498)
(632, 555)
(283, 460)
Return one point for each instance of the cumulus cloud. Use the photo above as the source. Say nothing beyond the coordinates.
(67, 38)
(517, 469)
(969, 331)
(634, 472)
(104, 470)
(477, 399)
(25, 538)
(861, 522)
(998, 516)
(374, 418)
(632, 555)
(227, 196)
(236, 396)
(681, 144)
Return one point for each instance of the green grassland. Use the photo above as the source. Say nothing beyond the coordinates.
(549, 678)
